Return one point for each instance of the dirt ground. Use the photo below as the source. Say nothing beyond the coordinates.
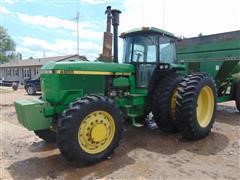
(142, 154)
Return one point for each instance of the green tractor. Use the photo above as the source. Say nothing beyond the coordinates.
(84, 104)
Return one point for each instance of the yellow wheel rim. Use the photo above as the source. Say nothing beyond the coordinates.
(205, 106)
(96, 132)
(173, 104)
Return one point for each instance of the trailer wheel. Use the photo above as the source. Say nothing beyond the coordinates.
(196, 106)
(237, 95)
(89, 130)
(47, 135)
(164, 102)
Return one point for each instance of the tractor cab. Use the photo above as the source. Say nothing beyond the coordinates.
(147, 48)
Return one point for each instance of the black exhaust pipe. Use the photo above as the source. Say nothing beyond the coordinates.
(115, 23)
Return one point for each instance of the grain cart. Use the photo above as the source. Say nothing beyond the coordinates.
(83, 104)
(218, 55)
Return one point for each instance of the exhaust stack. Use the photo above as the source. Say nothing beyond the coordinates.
(107, 38)
(115, 23)
(112, 17)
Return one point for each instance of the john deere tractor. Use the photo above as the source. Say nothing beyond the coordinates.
(84, 104)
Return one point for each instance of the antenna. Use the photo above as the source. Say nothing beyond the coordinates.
(143, 5)
(163, 16)
(77, 18)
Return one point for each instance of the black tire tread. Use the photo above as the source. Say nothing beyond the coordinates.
(34, 90)
(47, 135)
(64, 126)
(161, 102)
(185, 111)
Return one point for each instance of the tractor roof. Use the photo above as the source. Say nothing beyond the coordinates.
(146, 30)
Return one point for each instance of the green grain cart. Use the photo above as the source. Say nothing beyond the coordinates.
(84, 104)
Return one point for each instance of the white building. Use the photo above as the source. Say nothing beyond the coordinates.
(20, 70)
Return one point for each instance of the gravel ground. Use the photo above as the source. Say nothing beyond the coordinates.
(142, 154)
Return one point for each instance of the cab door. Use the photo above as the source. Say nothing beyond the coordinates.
(145, 58)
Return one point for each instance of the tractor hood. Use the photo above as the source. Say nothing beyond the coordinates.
(83, 67)
(63, 82)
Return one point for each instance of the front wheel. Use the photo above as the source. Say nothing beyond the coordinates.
(196, 106)
(31, 90)
(47, 135)
(89, 130)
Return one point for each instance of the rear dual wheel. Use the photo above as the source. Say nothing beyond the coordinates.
(196, 106)
(89, 130)
(164, 102)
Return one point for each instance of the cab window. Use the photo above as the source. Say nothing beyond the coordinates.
(167, 50)
(141, 48)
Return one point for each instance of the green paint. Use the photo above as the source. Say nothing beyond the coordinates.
(145, 30)
(89, 66)
(61, 89)
(224, 99)
(30, 114)
(236, 72)
(121, 82)
(217, 55)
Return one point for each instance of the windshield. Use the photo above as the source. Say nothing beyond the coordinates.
(144, 48)
(140, 49)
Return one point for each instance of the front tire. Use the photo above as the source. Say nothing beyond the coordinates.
(31, 90)
(196, 106)
(89, 130)
(47, 135)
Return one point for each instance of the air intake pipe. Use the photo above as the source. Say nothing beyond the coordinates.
(115, 23)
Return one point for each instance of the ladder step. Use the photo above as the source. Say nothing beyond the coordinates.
(127, 106)
(138, 125)
(132, 115)
(137, 95)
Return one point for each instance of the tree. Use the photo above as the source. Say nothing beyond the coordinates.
(7, 46)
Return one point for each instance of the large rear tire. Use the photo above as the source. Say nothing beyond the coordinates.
(196, 106)
(89, 129)
(164, 102)
(47, 135)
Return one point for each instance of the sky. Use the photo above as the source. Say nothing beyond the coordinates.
(47, 27)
